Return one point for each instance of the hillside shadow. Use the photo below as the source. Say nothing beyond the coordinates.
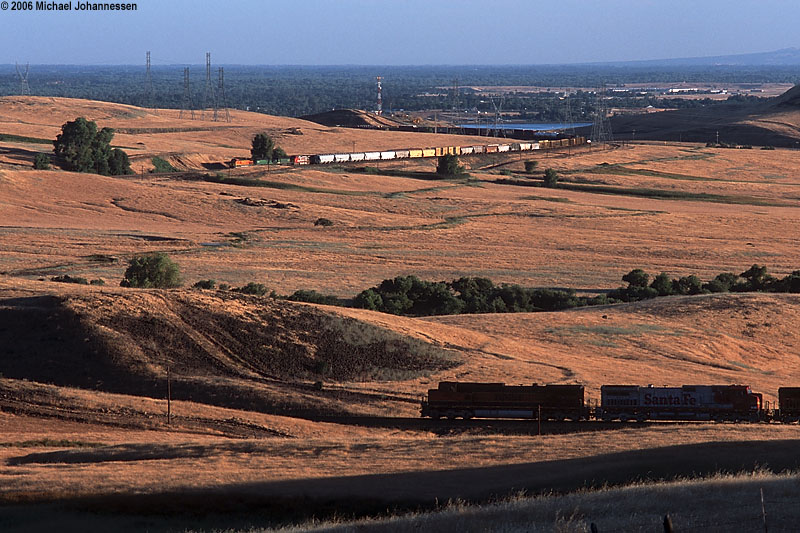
(262, 503)
(41, 340)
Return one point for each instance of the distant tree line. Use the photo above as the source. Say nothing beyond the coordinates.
(409, 295)
(754, 279)
(299, 90)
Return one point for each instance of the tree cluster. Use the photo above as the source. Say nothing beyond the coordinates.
(754, 279)
(264, 149)
(408, 295)
(82, 148)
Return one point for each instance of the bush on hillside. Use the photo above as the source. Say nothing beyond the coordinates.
(550, 178)
(152, 271)
(257, 289)
(447, 165)
(41, 161)
(206, 284)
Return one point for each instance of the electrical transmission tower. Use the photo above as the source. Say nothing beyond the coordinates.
(497, 112)
(601, 128)
(148, 86)
(456, 103)
(24, 88)
(208, 93)
(221, 92)
(568, 121)
(379, 108)
(186, 104)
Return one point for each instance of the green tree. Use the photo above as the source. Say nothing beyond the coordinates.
(636, 278)
(757, 278)
(83, 148)
(550, 178)
(152, 271)
(41, 162)
(447, 165)
(263, 146)
(663, 284)
(278, 153)
(118, 163)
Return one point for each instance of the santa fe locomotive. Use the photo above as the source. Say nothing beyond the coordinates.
(734, 403)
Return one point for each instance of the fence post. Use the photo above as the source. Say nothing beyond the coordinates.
(667, 524)
(539, 420)
(763, 510)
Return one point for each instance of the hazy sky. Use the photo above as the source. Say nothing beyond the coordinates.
(397, 32)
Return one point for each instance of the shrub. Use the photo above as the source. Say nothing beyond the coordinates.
(636, 278)
(161, 165)
(205, 284)
(311, 296)
(767, 147)
(152, 271)
(97, 282)
(257, 289)
(687, 285)
(66, 278)
(41, 162)
(662, 284)
(323, 222)
(447, 165)
(530, 166)
(369, 299)
(550, 178)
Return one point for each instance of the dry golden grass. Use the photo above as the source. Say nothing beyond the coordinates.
(93, 432)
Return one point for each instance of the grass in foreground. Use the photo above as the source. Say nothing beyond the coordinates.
(724, 502)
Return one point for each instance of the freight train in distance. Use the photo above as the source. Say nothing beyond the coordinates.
(720, 403)
(413, 153)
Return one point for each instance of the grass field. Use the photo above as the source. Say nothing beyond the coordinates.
(284, 412)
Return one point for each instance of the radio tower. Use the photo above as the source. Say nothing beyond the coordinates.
(379, 110)
(209, 91)
(601, 128)
(186, 104)
(221, 92)
(148, 86)
(24, 88)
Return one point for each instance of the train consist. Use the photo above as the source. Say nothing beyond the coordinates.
(734, 403)
(414, 153)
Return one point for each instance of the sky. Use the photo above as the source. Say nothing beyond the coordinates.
(397, 32)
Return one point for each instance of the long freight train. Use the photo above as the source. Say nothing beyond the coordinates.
(413, 153)
(736, 403)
